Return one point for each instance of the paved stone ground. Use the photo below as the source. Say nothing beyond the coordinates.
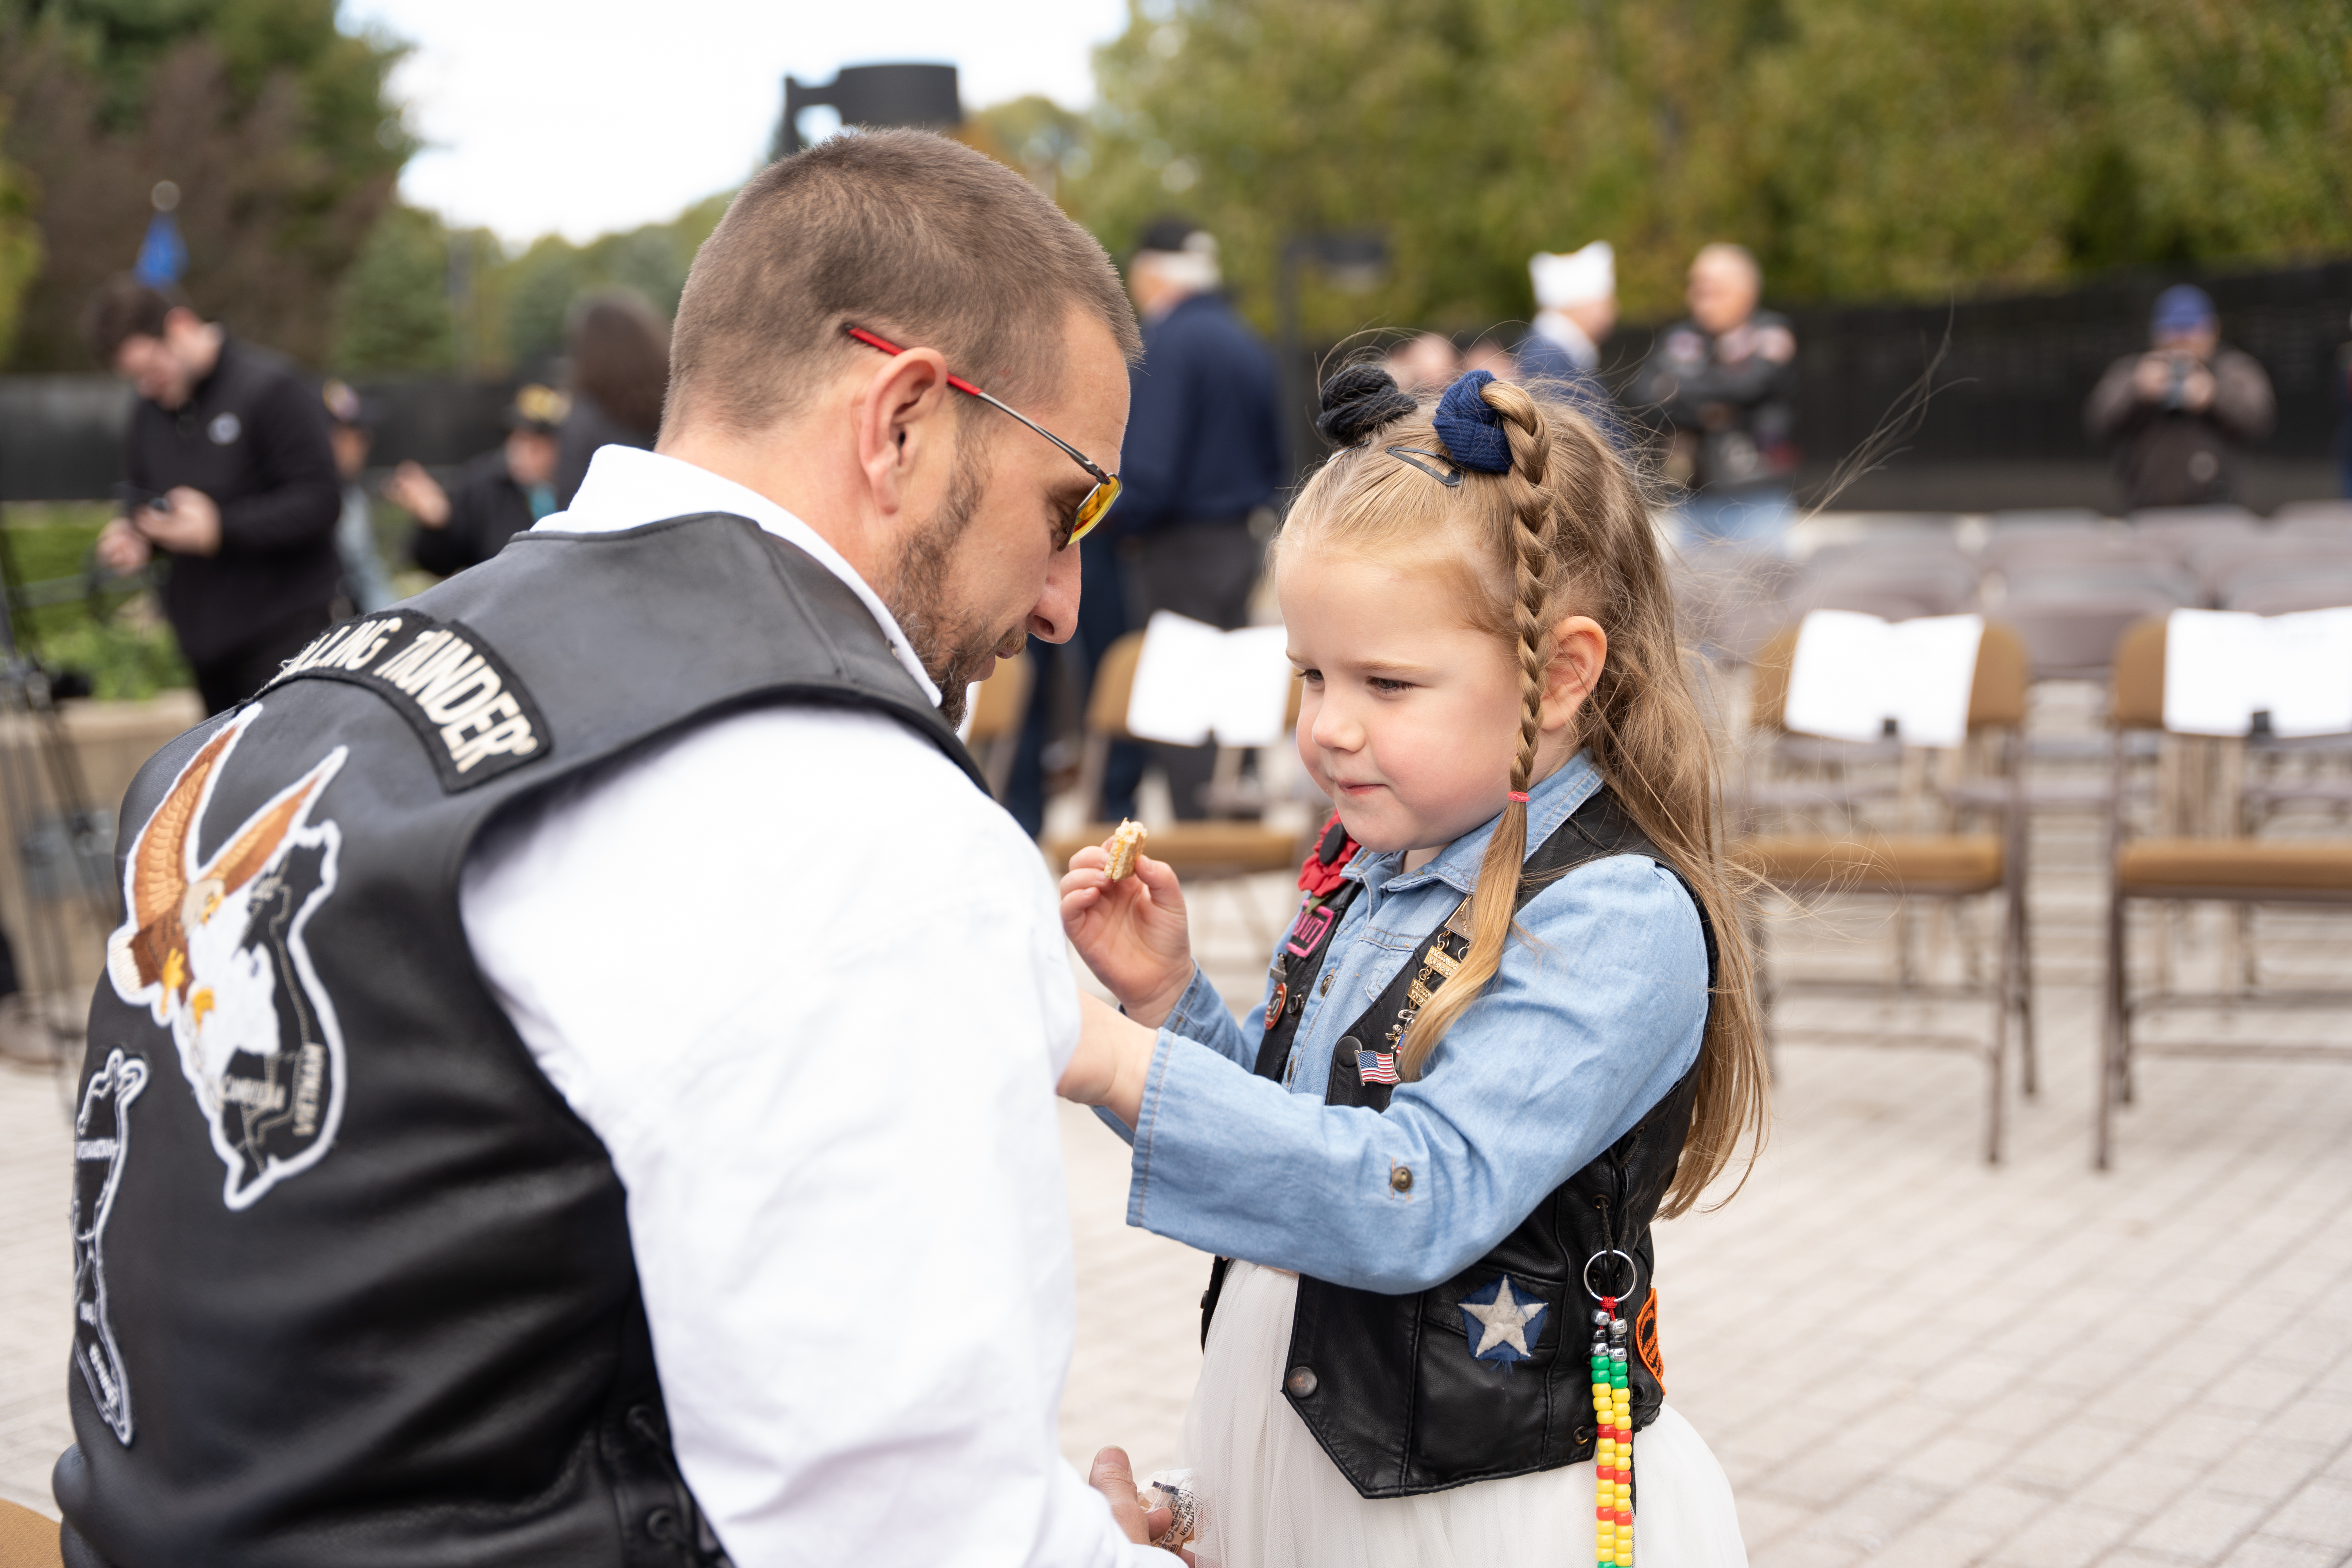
(1901, 1355)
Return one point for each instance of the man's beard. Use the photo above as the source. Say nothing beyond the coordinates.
(951, 643)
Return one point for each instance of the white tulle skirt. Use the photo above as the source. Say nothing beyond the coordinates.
(1270, 1498)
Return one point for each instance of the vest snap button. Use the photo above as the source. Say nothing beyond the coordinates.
(1400, 1178)
(1301, 1383)
(1324, 989)
(662, 1525)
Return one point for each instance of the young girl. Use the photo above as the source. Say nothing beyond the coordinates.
(1512, 1024)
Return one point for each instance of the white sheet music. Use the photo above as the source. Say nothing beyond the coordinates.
(1193, 681)
(2222, 667)
(1853, 672)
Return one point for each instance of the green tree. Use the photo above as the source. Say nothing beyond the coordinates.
(540, 284)
(1865, 149)
(274, 122)
(394, 313)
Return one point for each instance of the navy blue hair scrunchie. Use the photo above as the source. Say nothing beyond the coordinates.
(1472, 431)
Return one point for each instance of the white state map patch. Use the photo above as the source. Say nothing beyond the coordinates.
(214, 951)
(102, 1143)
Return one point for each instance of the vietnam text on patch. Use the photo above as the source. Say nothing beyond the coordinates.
(475, 719)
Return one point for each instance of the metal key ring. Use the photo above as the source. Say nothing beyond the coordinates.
(1631, 1268)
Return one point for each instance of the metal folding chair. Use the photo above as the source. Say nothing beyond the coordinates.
(1201, 852)
(1950, 866)
(2242, 871)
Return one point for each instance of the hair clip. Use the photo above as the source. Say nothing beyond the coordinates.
(1449, 479)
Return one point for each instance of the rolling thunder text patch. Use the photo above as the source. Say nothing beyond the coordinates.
(475, 719)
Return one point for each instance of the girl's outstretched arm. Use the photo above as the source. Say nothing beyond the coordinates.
(1107, 1069)
(1584, 1030)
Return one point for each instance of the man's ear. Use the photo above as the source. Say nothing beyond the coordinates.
(1579, 649)
(903, 421)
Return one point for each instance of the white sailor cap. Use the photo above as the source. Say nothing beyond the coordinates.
(1576, 279)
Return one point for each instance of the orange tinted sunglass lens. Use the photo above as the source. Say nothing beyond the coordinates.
(1091, 509)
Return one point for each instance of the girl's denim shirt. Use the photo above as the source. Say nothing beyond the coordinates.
(1582, 1031)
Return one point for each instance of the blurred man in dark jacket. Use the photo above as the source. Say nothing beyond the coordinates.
(231, 475)
(1203, 454)
(1203, 458)
(2177, 414)
(1725, 383)
(500, 494)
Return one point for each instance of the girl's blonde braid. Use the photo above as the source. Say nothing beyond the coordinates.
(1532, 551)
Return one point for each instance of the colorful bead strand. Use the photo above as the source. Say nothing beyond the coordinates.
(1613, 1455)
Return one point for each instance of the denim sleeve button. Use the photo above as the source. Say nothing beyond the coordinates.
(1400, 1178)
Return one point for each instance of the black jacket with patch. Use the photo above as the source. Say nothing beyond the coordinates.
(354, 1283)
(252, 436)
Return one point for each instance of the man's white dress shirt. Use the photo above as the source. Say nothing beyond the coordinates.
(808, 985)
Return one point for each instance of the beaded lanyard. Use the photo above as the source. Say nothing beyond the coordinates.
(1612, 1454)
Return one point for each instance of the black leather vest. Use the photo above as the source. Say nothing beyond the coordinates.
(353, 1283)
(1389, 1384)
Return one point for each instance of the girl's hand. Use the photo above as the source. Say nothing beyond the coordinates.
(1113, 1058)
(1132, 932)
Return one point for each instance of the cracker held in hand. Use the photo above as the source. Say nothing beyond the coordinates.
(1123, 845)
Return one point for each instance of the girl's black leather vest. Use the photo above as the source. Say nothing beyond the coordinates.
(354, 1283)
(1389, 1385)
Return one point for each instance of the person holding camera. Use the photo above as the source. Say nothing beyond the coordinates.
(232, 474)
(2177, 414)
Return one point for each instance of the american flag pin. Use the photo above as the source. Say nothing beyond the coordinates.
(1376, 1067)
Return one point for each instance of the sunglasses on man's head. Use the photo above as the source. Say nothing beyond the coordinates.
(1090, 510)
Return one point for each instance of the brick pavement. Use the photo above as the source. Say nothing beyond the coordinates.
(1901, 1355)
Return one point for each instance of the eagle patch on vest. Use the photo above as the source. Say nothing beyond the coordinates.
(214, 952)
(475, 717)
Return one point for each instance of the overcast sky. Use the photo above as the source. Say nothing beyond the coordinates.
(597, 115)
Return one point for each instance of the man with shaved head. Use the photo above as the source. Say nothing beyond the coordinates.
(574, 1084)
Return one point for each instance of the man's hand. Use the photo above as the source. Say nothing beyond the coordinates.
(1114, 1477)
(122, 548)
(191, 527)
(419, 494)
(1132, 932)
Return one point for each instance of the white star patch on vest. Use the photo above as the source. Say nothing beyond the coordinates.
(1498, 1323)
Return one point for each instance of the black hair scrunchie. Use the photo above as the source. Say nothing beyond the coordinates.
(1358, 401)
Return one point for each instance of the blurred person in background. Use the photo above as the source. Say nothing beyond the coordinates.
(500, 494)
(1725, 383)
(618, 346)
(1204, 457)
(352, 432)
(232, 476)
(2177, 414)
(1486, 352)
(1576, 310)
(1426, 361)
